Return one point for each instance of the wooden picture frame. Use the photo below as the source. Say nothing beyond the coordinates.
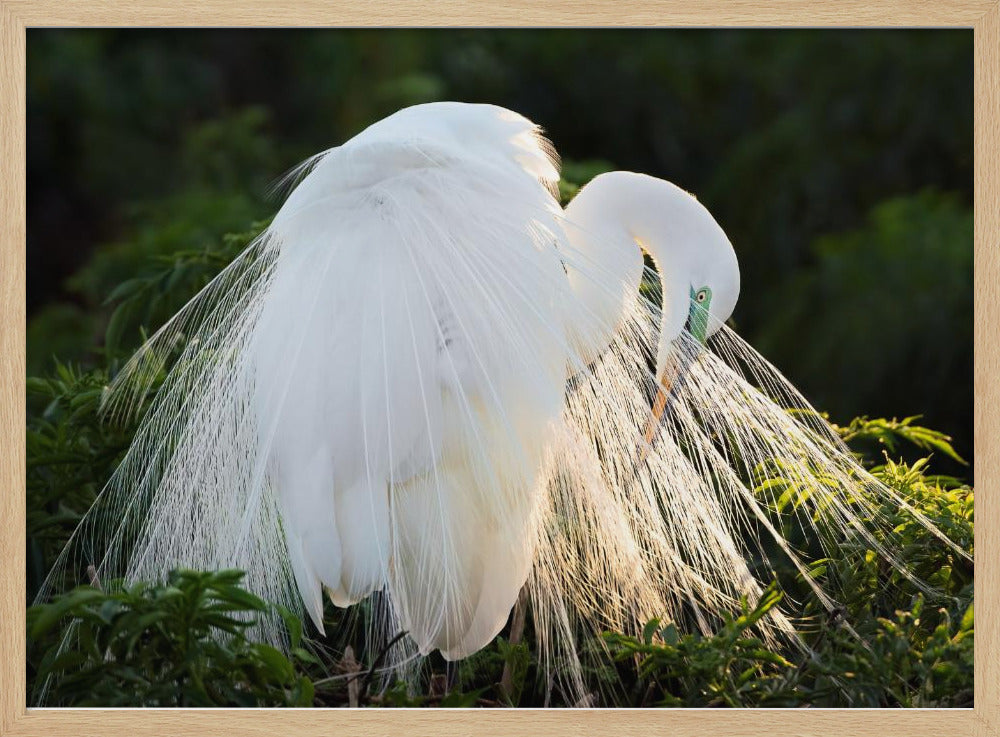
(983, 16)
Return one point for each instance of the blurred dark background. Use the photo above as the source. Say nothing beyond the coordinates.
(838, 162)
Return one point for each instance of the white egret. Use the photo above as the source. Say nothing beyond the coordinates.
(428, 382)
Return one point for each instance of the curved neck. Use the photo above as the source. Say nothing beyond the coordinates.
(610, 222)
(604, 267)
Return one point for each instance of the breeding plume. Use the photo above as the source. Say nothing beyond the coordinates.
(429, 385)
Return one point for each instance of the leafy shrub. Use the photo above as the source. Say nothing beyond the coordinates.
(182, 643)
(894, 663)
(731, 668)
(71, 453)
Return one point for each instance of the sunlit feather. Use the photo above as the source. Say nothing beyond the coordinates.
(427, 382)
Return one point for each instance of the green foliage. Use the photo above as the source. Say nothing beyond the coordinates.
(888, 433)
(182, 643)
(867, 585)
(894, 661)
(943, 499)
(71, 454)
(153, 298)
(731, 668)
(898, 650)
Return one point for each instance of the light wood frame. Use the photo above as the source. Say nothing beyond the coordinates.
(981, 15)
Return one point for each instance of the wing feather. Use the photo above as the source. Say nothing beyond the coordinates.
(363, 400)
(426, 380)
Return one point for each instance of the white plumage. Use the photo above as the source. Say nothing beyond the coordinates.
(426, 380)
(407, 358)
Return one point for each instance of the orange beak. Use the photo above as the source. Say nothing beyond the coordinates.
(659, 406)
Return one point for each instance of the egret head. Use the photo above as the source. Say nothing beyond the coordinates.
(622, 213)
(699, 272)
(694, 259)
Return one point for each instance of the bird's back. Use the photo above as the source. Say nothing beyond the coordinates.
(408, 364)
